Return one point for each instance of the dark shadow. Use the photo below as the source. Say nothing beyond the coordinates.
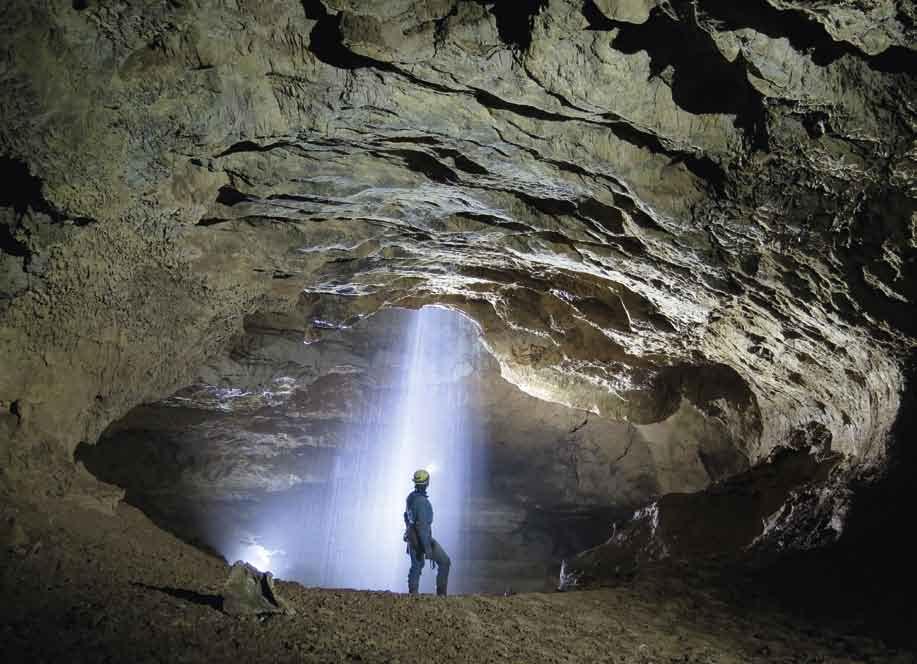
(118, 458)
(21, 190)
(514, 20)
(326, 43)
(804, 34)
(704, 385)
(597, 20)
(884, 220)
(572, 529)
(10, 245)
(461, 162)
(702, 81)
(251, 146)
(895, 60)
(325, 39)
(213, 601)
(421, 162)
(229, 196)
(867, 581)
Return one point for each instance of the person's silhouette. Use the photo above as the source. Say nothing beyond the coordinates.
(418, 521)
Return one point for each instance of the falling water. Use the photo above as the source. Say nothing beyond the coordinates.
(349, 532)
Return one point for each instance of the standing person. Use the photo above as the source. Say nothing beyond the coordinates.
(418, 521)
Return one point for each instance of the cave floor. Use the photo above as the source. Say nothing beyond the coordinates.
(81, 585)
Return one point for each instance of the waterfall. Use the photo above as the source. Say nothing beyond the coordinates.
(347, 532)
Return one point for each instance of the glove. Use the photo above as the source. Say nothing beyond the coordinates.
(432, 564)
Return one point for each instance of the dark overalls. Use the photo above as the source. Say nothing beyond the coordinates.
(418, 518)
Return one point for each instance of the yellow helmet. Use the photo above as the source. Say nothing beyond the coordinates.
(421, 477)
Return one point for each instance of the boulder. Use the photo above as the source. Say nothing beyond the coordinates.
(250, 592)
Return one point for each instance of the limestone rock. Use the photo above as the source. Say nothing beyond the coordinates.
(629, 11)
(250, 592)
(722, 520)
(87, 492)
(872, 26)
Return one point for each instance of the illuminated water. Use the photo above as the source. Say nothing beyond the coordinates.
(347, 532)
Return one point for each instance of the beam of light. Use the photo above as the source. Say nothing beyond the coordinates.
(348, 532)
(257, 555)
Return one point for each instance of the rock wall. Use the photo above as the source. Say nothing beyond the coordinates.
(648, 207)
(724, 520)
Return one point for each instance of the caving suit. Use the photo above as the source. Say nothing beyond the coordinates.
(418, 519)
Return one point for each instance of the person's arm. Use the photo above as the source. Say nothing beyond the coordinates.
(424, 518)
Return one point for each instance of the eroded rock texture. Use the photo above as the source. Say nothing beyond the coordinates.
(263, 428)
(650, 207)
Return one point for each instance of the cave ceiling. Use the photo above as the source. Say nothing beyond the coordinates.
(642, 203)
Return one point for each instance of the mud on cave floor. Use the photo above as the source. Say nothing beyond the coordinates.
(82, 586)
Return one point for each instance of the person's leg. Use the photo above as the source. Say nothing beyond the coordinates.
(414, 573)
(443, 563)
